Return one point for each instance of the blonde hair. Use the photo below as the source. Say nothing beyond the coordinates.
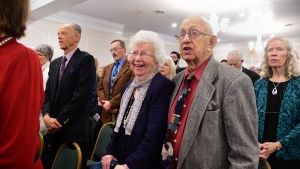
(172, 67)
(291, 64)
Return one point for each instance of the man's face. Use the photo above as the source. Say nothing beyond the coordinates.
(68, 39)
(196, 49)
(174, 57)
(233, 60)
(117, 51)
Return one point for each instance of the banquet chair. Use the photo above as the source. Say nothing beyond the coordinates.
(68, 157)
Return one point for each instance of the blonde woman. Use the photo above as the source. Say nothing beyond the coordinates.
(278, 105)
(169, 68)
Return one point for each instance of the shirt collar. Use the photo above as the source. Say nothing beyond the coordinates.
(198, 71)
(70, 54)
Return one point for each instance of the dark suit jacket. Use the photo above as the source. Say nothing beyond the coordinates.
(179, 69)
(145, 142)
(221, 128)
(68, 101)
(253, 76)
(125, 74)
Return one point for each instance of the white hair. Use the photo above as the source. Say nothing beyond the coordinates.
(143, 36)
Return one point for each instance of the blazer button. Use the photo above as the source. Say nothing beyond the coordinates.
(66, 121)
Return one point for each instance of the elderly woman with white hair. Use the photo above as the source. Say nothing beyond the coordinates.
(169, 68)
(278, 105)
(142, 121)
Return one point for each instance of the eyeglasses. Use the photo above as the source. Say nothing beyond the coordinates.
(114, 50)
(192, 34)
(41, 54)
(142, 54)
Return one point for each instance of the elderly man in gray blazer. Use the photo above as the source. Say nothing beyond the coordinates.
(216, 126)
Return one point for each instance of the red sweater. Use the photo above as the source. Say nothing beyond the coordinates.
(21, 98)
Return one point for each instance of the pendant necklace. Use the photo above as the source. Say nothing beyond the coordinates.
(5, 40)
(274, 91)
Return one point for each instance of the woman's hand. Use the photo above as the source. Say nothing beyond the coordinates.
(266, 149)
(106, 160)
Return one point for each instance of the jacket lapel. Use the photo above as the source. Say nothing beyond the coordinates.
(203, 95)
(123, 69)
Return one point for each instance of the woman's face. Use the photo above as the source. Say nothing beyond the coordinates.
(277, 54)
(165, 70)
(142, 61)
(43, 58)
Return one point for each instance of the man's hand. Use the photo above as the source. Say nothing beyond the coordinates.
(106, 105)
(52, 124)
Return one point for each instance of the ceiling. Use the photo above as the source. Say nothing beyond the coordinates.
(273, 15)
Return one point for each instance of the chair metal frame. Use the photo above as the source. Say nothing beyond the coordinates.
(91, 161)
(263, 164)
(267, 164)
(79, 155)
(41, 138)
(95, 146)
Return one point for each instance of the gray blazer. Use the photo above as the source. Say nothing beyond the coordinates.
(222, 125)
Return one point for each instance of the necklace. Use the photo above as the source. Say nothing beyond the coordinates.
(5, 40)
(274, 91)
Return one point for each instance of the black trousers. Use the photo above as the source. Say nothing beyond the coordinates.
(276, 163)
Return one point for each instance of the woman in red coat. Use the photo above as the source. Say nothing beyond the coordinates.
(21, 91)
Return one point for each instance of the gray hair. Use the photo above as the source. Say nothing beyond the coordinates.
(236, 52)
(143, 36)
(291, 64)
(76, 28)
(45, 49)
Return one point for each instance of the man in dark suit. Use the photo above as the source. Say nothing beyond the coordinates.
(70, 84)
(115, 76)
(235, 59)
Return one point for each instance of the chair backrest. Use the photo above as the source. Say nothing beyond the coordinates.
(68, 157)
(264, 164)
(41, 138)
(104, 137)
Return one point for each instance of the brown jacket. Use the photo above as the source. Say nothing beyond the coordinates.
(125, 74)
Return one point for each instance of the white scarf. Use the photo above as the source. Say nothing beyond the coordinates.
(137, 104)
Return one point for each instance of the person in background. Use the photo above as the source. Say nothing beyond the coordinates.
(176, 58)
(68, 89)
(168, 69)
(45, 53)
(21, 91)
(115, 76)
(278, 105)
(252, 67)
(224, 61)
(257, 70)
(93, 110)
(235, 59)
(142, 121)
(213, 120)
